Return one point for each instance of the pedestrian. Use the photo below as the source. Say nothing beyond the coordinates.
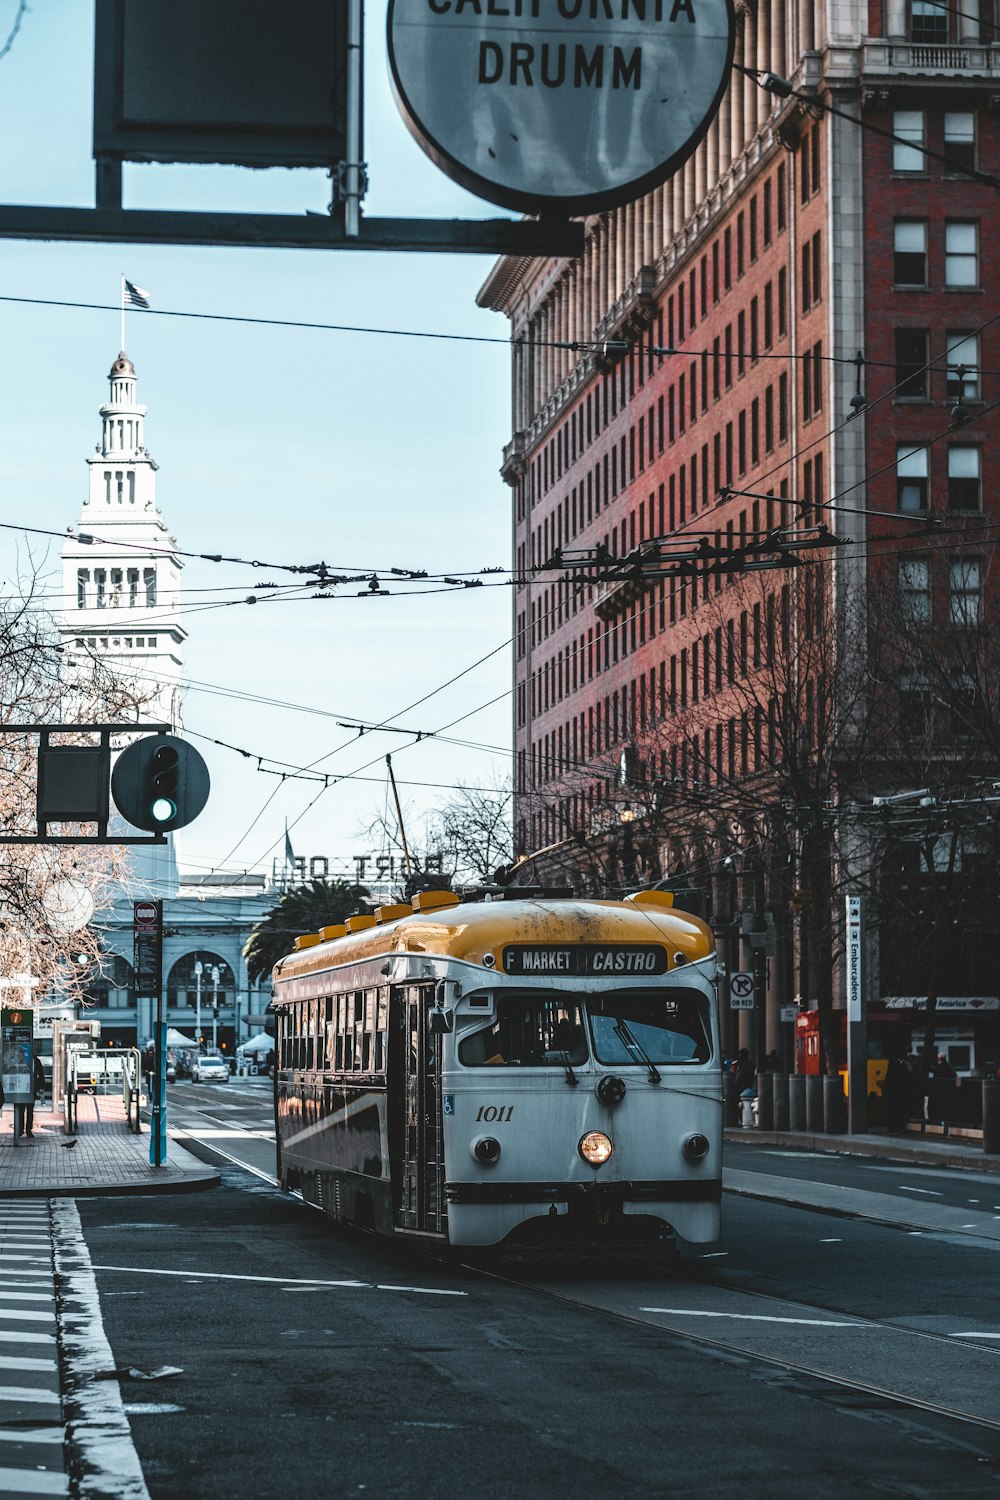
(896, 1091)
(37, 1090)
(740, 1077)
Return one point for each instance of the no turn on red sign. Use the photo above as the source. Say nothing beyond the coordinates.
(741, 988)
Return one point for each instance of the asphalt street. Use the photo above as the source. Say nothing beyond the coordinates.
(802, 1355)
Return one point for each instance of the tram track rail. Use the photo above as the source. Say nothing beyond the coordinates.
(730, 1348)
(665, 1272)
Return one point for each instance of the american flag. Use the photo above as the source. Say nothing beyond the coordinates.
(134, 296)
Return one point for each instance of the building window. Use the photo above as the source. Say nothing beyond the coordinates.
(964, 481)
(911, 477)
(928, 21)
(149, 583)
(812, 273)
(82, 579)
(100, 584)
(961, 253)
(911, 363)
(959, 139)
(907, 153)
(812, 381)
(909, 263)
(914, 707)
(914, 581)
(963, 366)
(965, 580)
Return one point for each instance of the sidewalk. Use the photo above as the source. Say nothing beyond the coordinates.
(105, 1157)
(923, 1217)
(926, 1151)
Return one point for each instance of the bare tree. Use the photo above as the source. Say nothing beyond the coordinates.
(37, 881)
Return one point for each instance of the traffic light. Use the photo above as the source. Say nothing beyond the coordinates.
(160, 783)
(164, 769)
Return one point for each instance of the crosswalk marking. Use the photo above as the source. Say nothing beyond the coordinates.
(31, 1482)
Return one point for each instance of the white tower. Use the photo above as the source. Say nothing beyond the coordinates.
(121, 589)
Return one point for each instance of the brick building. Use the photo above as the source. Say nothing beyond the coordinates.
(772, 342)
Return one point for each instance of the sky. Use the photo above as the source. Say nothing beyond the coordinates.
(368, 451)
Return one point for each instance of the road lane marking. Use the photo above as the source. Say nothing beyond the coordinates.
(228, 1276)
(32, 1435)
(975, 1335)
(26, 1336)
(25, 1362)
(928, 1192)
(425, 1291)
(149, 1408)
(686, 1312)
(25, 1315)
(831, 1242)
(285, 1282)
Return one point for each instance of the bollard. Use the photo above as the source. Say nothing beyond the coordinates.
(834, 1111)
(797, 1102)
(780, 1101)
(991, 1114)
(765, 1101)
(814, 1104)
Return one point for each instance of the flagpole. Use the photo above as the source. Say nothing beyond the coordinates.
(122, 346)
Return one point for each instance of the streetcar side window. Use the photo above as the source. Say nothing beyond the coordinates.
(531, 1030)
(642, 1026)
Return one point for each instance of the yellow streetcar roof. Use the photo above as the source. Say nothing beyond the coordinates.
(470, 930)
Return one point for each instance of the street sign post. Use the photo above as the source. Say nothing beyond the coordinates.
(147, 920)
(857, 1040)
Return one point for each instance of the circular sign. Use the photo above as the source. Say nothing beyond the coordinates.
(144, 911)
(568, 106)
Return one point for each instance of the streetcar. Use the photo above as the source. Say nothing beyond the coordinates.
(524, 1070)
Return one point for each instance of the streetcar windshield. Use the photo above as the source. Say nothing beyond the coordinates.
(531, 1030)
(644, 1026)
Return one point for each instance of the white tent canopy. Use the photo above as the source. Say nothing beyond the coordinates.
(177, 1038)
(259, 1043)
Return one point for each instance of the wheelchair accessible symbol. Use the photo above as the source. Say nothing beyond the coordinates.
(741, 989)
(449, 1104)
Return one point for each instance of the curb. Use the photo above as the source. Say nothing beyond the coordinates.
(895, 1149)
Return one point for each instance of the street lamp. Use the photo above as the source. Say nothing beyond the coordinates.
(215, 1007)
(199, 969)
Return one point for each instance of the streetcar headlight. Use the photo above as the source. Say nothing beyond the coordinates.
(696, 1147)
(596, 1148)
(486, 1150)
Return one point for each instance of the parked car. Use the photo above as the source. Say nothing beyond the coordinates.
(210, 1070)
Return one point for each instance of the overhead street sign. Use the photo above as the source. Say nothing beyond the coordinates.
(560, 106)
(741, 991)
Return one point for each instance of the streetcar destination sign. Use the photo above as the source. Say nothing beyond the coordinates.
(568, 106)
(584, 958)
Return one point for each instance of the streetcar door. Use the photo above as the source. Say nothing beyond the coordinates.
(421, 1204)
